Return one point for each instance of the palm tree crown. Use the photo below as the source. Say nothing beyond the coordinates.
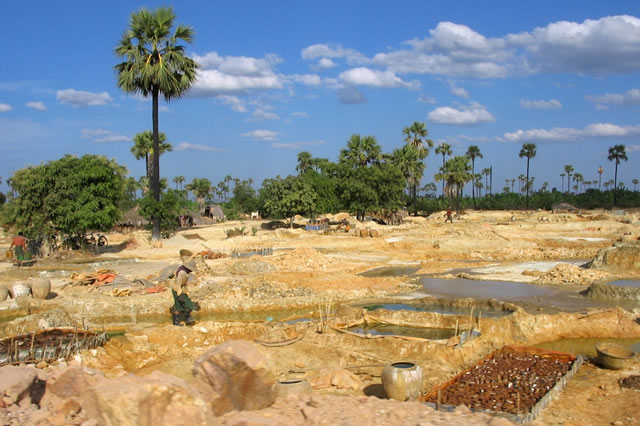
(154, 63)
(617, 153)
(528, 150)
(143, 148)
(569, 169)
(444, 149)
(361, 151)
(415, 135)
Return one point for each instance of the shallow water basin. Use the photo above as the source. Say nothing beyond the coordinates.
(438, 309)
(625, 283)
(587, 346)
(402, 330)
(390, 271)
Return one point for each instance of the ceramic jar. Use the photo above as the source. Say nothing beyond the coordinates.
(40, 288)
(292, 387)
(402, 380)
(20, 289)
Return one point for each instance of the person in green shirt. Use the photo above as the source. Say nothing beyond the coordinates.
(182, 303)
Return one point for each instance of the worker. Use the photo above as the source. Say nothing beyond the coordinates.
(182, 303)
(449, 216)
(19, 246)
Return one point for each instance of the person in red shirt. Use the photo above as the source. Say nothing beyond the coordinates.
(19, 246)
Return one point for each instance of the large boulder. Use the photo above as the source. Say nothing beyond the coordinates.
(82, 394)
(16, 383)
(234, 376)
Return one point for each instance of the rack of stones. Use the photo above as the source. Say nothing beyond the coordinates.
(515, 381)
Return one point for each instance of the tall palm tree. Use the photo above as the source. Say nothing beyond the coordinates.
(528, 150)
(407, 159)
(562, 175)
(473, 152)
(361, 151)
(444, 149)
(416, 136)
(178, 180)
(513, 181)
(569, 169)
(456, 172)
(486, 172)
(578, 178)
(154, 64)
(635, 183)
(617, 153)
(600, 171)
(305, 162)
(143, 148)
(201, 188)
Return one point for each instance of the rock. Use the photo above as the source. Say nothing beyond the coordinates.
(235, 376)
(373, 233)
(338, 377)
(40, 288)
(20, 289)
(42, 364)
(16, 383)
(4, 292)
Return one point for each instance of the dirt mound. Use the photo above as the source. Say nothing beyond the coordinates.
(622, 255)
(611, 292)
(566, 273)
(302, 259)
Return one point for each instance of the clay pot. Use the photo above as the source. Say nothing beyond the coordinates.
(402, 380)
(4, 292)
(373, 233)
(20, 289)
(40, 288)
(292, 387)
(363, 233)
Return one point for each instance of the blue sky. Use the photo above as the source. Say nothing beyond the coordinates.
(282, 77)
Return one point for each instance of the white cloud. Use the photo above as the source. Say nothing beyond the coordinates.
(306, 79)
(297, 145)
(564, 134)
(472, 114)
(186, 146)
(103, 136)
(540, 104)
(81, 98)
(5, 107)
(37, 105)
(235, 102)
(325, 63)
(261, 134)
(324, 51)
(630, 97)
(264, 114)
(300, 114)
(351, 96)
(459, 91)
(427, 99)
(632, 148)
(375, 78)
(220, 75)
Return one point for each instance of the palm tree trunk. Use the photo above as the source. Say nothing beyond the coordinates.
(148, 165)
(443, 179)
(155, 180)
(527, 184)
(615, 184)
(473, 179)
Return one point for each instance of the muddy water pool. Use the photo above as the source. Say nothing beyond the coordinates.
(625, 283)
(390, 271)
(400, 330)
(445, 310)
(586, 346)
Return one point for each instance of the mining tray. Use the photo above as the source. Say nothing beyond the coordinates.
(47, 345)
(516, 382)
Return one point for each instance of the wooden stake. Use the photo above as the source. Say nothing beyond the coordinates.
(33, 338)
(470, 322)
(438, 400)
(457, 320)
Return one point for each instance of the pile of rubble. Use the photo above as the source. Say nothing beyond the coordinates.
(566, 273)
(303, 259)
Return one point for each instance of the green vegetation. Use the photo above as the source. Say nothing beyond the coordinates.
(143, 148)
(154, 63)
(70, 196)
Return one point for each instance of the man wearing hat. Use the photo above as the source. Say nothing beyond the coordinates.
(183, 305)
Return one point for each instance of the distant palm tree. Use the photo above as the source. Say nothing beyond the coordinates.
(635, 184)
(617, 153)
(456, 172)
(513, 181)
(143, 148)
(473, 152)
(600, 171)
(361, 151)
(569, 169)
(562, 175)
(528, 150)
(305, 162)
(444, 149)
(416, 136)
(178, 180)
(486, 172)
(578, 179)
(521, 179)
(154, 64)
(407, 159)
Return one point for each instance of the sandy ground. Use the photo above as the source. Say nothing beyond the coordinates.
(309, 270)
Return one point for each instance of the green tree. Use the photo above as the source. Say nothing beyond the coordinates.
(201, 188)
(578, 178)
(178, 180)
(568, 168)
(444, 149)
(154, 64)
(408, 160)
(143, 148)
(305, 162)
(528, 150)
(287, 197)
(456, 173)
(360, 151)
(416, 136)
(473, 152)
(71, 195)
(617, 153)
(635, 184)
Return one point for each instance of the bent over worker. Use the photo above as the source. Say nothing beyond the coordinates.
(182, 303)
